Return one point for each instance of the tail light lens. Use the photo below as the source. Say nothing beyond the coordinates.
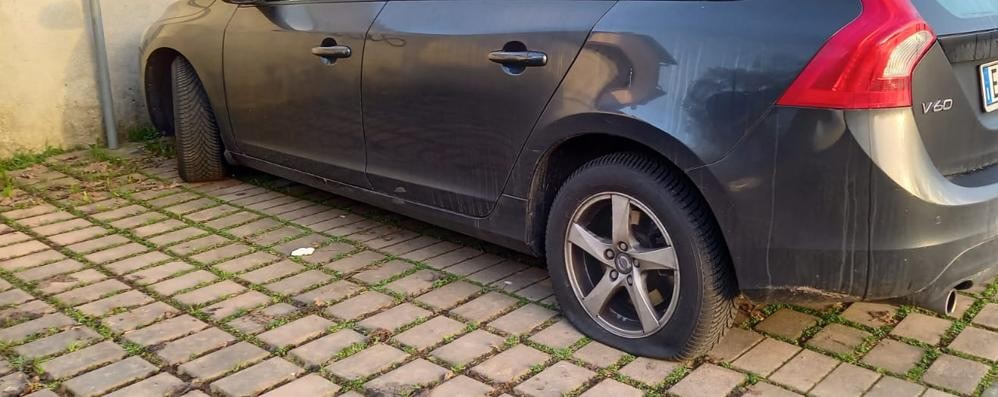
(868, 63)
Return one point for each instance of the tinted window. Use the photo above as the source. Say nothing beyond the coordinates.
(959, 16)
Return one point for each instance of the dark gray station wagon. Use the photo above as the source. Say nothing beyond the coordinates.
(664, 155)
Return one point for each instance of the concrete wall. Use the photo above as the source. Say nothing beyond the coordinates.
(48, 83)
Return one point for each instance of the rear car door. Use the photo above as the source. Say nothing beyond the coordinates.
(452, 89)
(292, 77)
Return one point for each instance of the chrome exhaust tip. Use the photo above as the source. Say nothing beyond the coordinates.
(942, 303)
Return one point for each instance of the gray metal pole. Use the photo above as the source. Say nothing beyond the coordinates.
(103, 74)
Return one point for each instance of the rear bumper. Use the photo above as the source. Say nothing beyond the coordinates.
(824, 205)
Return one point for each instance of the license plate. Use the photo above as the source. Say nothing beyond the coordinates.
(989, 85)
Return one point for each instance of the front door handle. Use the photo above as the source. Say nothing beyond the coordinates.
(519, 58)
(332, 52)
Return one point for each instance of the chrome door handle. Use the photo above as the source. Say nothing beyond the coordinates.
(332, 52)
(519, 58)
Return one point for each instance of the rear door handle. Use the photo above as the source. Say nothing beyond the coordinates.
(519, 58)
(332, 52)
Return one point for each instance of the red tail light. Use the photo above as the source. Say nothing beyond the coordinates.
(868, 63)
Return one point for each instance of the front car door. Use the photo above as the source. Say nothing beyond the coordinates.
(452, 89)
(292, 78)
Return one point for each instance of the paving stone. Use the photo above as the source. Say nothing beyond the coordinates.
(61, 227)
(216, 364)
(766, 356)
(96, 244)
(977, 342)
(894, 356)
(461, 386)
(523, 320)
(389, 236)
(193, 346)
(16, 237)
(763, 389)
(200, 244)
(610, 387)
(310, 240)
(162, 384)
(185, 281)
(76, 236)
(923, 328)
(430, 333)
(159, 228)
(448, 296)
(735, 343)
(354, 262)
(649, 371)
(955, 373)
(139, 317)
(115, 253)
(295, 332)
(329, 293)
(383, 272)
(137, 262)
(173, 199)
(256, 226)
(29, 261)
(177, 236)
(344, 225)
(360, 305)
(846, 380)
(69, 339)
(369, 361)
(324, 254)
(272, 272)
(39, 325)
(231, 220)
(599, 355)
(708, 380)
(60, 283)
(889, 387)
(408, 246)
(988, 316)
(14, 297)
(191, 206)
(25, 311)
(324, 214)
(521, 279)
(166, 330)
(244, 263)
(497, 272)
(485, 307)
(316, 353)
(395, 317)
(46, 271)
(511, 364)
(124, 300)
(838, 338)
(256, 321)
(299, 282)
(407, 378)
(222, 253)
(158, 273)
(469, 348)
(804, 371)
(139, 220)
(15, 384)
(474, 265)
(555, 381)
(210, 293)
(102, 380)
(961, 305)
(415, 283)
(244, 301)
(46, 219)
(82, 360)
(91, 292)
(256, 379)
(21, 249)
(452, 257)
(272, 237)
(787, 323)
(30, 211)
(311, 385)
(559, 335)
(119, 213)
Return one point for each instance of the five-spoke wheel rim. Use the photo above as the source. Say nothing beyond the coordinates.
(621, 265)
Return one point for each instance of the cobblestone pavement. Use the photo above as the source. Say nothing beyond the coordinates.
(117, 278)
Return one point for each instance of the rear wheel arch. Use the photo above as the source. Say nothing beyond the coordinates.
(158, 90)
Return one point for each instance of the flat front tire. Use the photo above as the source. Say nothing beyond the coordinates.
(199, 145)
(637, 261)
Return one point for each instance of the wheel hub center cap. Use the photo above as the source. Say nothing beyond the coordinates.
(623, 263)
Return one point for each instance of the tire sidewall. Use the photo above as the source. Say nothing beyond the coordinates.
(670, 340)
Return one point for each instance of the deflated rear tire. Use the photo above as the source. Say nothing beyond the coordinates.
(199, 145)
(637, 260)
